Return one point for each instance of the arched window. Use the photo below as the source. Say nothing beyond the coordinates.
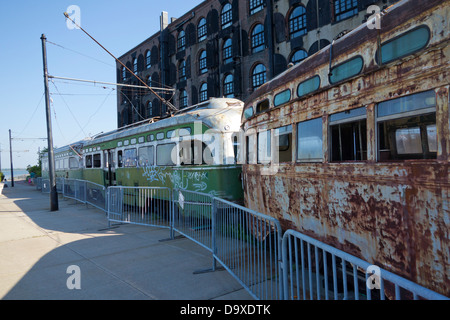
(255, 6)
(226, 16)
(258, 76)
(203, 93)
(149, 81)
(297, 22)
(181, 41)
(182, 70)
(202, 66)
(135, 65)
(124, 74)
(344, 9)
(148, 59)
(298, 56)
(257, 40)
(201, 30)
(183, 99)
(149, 109)
(228, 87)
(227, 51)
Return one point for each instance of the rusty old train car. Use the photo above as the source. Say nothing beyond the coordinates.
(352, 145)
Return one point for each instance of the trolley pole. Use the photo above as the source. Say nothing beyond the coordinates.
(51, 155)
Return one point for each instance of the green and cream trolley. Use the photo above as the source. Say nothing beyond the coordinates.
(197, 149)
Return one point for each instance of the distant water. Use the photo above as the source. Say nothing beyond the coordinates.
(17, 173)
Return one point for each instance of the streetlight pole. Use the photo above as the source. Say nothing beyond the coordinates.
(10, 158)
(51, 155)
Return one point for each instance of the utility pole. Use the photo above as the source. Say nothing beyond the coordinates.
(10, 158)
(51, 155)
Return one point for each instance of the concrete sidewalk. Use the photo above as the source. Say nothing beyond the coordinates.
(38, 246)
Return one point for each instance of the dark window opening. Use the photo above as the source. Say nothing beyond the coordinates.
(349, 141)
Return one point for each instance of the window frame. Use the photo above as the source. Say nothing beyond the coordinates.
(297, 24)
(255, 6)
(202, 62)
(227, 51)
(181, 41)
(202, 30)
(257, 42)
(298, 157)
(148, 59)
(226, 16)
(347, 12)
(203, 92)
(257, 80)
(227, 93)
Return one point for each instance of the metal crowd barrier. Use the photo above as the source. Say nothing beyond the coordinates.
(248, 244)
(314, 270)
(149, 206)
(192, 216)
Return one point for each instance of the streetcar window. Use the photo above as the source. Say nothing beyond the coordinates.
(120, 159)
(347, 69)
(283, 139)
(164, 154)
(309, 140)
(169, 134)
(129, 158)
(248, 112)
(160, 136)
(264, 147)
(146, 156)
(282, 97)
(89, 161)
(404, 45)
(262, 106)
(194, 152)
(348, 135)
(308, 86)
(97, 160)
(407, 127)
(73, 163)
(150, 137)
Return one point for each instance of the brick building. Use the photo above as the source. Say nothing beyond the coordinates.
(228, 48)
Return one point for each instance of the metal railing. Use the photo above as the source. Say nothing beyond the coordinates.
(314, 270)
(248, 244)
(149, 206)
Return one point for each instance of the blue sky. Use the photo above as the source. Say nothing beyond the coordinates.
(78, 109)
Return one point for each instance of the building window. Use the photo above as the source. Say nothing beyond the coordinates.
(344, 9)
(201, 30)
(257, 41)
(226, 16)
(202, 66)
(297, 22)
(227, 51)
(135, 66)
(148, 59)
(258, 76)
(182, 70)
(256, 5)
(149, 109)
(348, 135)
(124, 74)
(149, 81)
(183, 99)
(203, 93)
(228, 87)
(299, 56)
(181, 41)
